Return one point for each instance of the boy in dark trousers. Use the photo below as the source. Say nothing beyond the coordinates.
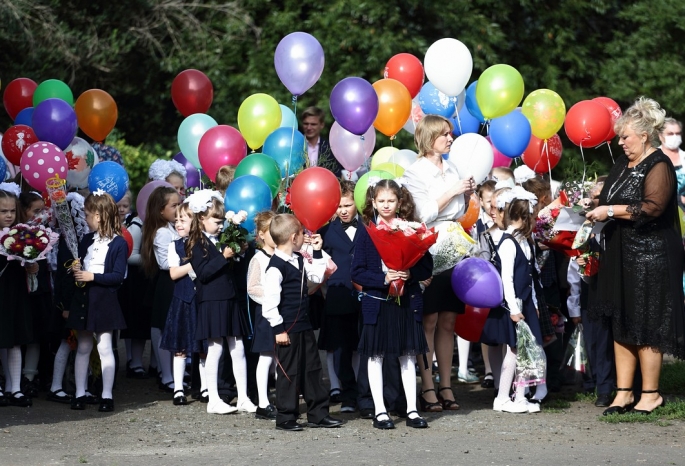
(286, 308)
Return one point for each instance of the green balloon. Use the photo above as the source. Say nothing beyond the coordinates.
(53, 89)
(499, 91)
(261, 166)
(363, 185)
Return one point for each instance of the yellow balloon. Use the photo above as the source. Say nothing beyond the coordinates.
(546, 111)
(499, 91)
(382, 156)
(258, 116)
(390, 167)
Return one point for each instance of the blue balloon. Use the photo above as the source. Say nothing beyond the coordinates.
(510, 134)
(434, 102)
(3, 169)
(466, 123)
(111, 178)
(288, 118)
(287, 147)
(24, 117)
(249, 193)
(472, 104)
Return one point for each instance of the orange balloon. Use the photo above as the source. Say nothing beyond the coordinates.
(471, 216)
(97, 113)
(394, 106)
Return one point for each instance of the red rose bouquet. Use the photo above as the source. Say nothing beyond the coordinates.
(544, 228)
(27, 243)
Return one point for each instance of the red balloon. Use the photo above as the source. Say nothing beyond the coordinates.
(587, 123)
(18, 96)
(469, 325)
(16, 140)
(129, 239)
(408, 70)
(219, 146)
(614, 111)
(314, 197)
(192, 92)
(536, 155)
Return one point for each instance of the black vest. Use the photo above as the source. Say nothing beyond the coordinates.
(294, 304)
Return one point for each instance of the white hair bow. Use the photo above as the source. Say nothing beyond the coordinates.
(523, 174)
(11, 188)
(517, 193)
(201, 200)
(161, 169)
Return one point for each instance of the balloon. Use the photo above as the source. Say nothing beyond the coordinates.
(394, 106)
(546, 111)
(3, 169)
(542, 160)
(472, 155)
(499, 91)
(587, 123)
(129, 239)
(248, 193)
(351, 150)
(18, 95)
(469, 325)
(394, 169)
(287, 147)
(382, 155)
(407, 69)
(190, 132)
(404, 158)
(263, 167)
(477, 283)
(363, 185)
(288, 118)
(52, 89)
(614, 111)
(472, 211)
(299, 62)
(258, 116)
(111, 178)
(55, 121)
(81, 158)
(315, 196)
(219, 146)
(354, 105)
(15, 141)
(192, 92)
(472, 103)
(510, 133)
(448, 65)
(414, 118)
(192, 174)
(97, 113)
(498, 158)
(24, 117)
(434, 102)
(42, 161)
(464, 123)
(144, 195)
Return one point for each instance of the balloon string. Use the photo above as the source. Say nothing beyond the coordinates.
(202, 184)
(292, 143)
(545, 150)
(611, 153)
(582, 155)
(458, 119)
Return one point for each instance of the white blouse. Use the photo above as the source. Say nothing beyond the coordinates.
(97, 252)
(174, 260)
(256, 274)
(507, 254)
(163, 237)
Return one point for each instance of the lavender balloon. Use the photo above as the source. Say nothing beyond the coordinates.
(54, 121)
(192, 173)
(477, 283)
(354, 105)
(299, 62)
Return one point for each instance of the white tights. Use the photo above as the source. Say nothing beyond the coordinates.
(408, 373)
(85, 346)
(237, 351)
(265, 365)
(60, 366)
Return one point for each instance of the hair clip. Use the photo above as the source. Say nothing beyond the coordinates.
(99, 192)
(12, 188)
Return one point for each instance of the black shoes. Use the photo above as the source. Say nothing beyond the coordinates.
(428, 407)
(268, 413)
(326, 422)
(488, 381)
(619, 409)
(334, 396)
(29, 387)
(136, 373)
(78, 404)
(106, 405)
(603, 400)
(21, 401)
(366, 413)
(291, 425)
(54, 396)
(3, 400)
(417, 422)
(167, 387)
(384, 424)
(180, 400)
(203, 396)
(644, 411)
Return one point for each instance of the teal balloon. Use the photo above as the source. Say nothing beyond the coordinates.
(249, 193)
(189, 134)
(288, 118)
(261, 166)
(287, 147)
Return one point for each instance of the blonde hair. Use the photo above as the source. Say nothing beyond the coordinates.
(644, 116)
(104, 205)
(262, 222)
(428, 131)
(282, 227)
(196, 233)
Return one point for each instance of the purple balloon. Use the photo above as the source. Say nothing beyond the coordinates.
(299, 62)
(354, 105)
(477, 283)
(192, 173)
(54, 121)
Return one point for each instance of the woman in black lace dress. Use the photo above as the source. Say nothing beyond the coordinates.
(639, 284)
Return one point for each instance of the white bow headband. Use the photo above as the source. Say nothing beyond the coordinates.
(201, 200)
(516, 193)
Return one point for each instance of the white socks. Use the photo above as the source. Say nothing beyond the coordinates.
(31, 360)
(332, 375)
(85, 346)
(376, 385)
(107, 362)
(163, 356)
(179, 372)
(263, 368)
(60, 366)
(203, 375)
(14, 364)
(212, 368)
(408, 372)
(464, 347)
(506, 378)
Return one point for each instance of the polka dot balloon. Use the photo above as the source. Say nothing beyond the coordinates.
(42, 161)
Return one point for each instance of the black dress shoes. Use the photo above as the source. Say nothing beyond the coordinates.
(79, 404)
(291, 425)
(326, 422)
(180, 400)
(106, 405)
(603, 400)
(366, 413)
(268, 413)
(384, 424)
(21, 401)
(3, 400)
(417, 422)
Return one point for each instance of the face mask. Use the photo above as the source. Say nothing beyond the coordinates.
(673, 141)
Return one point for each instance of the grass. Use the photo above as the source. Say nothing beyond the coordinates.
(82, 459)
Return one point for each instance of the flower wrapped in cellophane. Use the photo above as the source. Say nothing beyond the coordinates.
(576, 354)
(26, 243)
(452, 245)
(530, 360)
(233, 235)
(401, 244)
(546, 227)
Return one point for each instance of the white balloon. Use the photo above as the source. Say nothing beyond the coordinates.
(448, 64)
(81, 158)
(415, 116)
(404, 158)
(472, 155)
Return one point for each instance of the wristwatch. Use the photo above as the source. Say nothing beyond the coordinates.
(610, 212)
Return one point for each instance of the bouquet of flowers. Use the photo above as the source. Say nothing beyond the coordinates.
(576, 355)
(401, 245)
(26, 243)
(233, 235)
(530, 362)
(545, 229)
(452, 245)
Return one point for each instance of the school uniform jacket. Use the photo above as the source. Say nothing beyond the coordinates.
(341, 249)
(214, 280)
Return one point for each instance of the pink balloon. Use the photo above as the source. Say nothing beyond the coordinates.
(42, 161)
(351, 150)
(499, 160)
(144, 195)
(219, 146)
